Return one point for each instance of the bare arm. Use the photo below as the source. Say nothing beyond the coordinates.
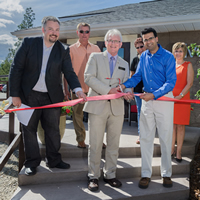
(190, 79)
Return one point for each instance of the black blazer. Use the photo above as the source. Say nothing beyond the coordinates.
(26, 67)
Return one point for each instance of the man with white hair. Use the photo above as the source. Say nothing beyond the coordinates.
(102, 74)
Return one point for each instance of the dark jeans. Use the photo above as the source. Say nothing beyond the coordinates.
(49, 118)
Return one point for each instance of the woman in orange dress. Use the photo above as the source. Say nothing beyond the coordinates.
(185, 77)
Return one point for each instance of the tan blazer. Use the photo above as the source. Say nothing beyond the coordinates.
(96, 73)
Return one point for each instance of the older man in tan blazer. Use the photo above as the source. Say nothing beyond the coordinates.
(102, 75)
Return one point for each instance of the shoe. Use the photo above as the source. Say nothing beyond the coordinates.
(93, 185)
(179, 160)
(167, 182)
(81, 145)
(30, 171)
(60, 165)
(113, 182)
(173, 155)
(104, 146)
(144, 182)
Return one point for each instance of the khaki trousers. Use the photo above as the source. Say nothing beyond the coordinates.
(78, 120)
(156, 115)
(97, 124)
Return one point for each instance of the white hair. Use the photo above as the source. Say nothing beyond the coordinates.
(113, 32)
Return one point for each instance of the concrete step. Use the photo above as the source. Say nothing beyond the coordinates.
(126, 150)
(71, 184)
(128, 146)
(126, 168)
(76, 190)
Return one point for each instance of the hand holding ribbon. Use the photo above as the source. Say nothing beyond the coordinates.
(80, 95)
(128, 96)
(147, 96)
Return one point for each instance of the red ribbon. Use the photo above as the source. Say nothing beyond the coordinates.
(72, 102)
(98, 98)
(163, 98)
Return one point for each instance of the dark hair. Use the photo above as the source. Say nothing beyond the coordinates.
(149, 30)
(138, 41)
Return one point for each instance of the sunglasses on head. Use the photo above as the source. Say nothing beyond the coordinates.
(81, 31)
(139, 47)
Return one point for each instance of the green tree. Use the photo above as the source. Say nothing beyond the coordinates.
(26, 23)
(195, 50)
(5, 68)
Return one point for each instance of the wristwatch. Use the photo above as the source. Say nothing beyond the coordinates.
(181, 94)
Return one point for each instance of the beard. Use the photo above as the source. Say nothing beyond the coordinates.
(53, 40)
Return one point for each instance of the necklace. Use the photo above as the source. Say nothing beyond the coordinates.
(178, 64)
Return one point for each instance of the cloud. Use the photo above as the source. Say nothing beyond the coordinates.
(2, 25)
(8, 14)
(11, 6)
(7, 39)
(3, 22)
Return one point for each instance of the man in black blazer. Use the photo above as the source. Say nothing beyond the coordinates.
(35, 80)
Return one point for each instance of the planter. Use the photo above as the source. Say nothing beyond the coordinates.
(62, 126)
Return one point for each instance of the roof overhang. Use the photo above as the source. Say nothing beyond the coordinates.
(161, 24)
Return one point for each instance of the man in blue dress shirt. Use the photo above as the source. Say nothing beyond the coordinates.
(157, 71)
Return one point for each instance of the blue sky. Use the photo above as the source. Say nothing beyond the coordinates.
(12, 11)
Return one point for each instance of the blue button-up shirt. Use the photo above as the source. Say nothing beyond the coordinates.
(157, 71)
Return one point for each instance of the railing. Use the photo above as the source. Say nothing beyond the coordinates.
(6, 82)
(17, 142)
(14, 140)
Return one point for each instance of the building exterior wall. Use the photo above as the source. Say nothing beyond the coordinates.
(125, 38)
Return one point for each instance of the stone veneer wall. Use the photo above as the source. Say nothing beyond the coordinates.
(167, 40)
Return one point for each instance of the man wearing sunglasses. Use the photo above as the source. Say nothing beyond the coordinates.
(80, 52)
(139, 45)
(157, 71)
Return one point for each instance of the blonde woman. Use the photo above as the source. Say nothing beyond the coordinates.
(185, 77)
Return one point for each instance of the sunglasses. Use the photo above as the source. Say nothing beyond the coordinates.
(81, 31)
(139, 47)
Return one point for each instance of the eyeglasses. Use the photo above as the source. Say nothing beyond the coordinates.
(140, 47)
(114, 41)
(151, 38)
(86, 32)
(176, 51)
